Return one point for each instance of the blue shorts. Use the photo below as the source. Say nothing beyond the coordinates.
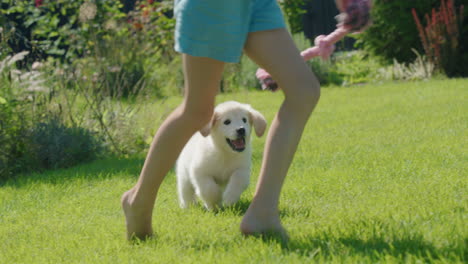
(218, 29)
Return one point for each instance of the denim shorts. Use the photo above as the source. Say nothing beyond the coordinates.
(218, 29)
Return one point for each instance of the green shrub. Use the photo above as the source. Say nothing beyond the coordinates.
(325, 72)
(393, 32)
(164, 77)
(13, 132)
(59, 28)
(440, 36)
(13, 116)
(420, 69)
(53, 145)
(115, 68)
(462, 67)
(30, 138)
(294, 10)
(123, 62)
(356, 67)
(240, 76)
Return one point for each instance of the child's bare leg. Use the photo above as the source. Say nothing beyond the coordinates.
(275, 51)
(202, 76)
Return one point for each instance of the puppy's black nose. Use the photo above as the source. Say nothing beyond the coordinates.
(241, 132)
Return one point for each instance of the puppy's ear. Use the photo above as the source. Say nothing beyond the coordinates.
(259, 122)
(205, 131)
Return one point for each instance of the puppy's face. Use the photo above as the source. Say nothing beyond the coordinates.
(232, 124)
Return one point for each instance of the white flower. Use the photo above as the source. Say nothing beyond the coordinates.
(114, 69)
(59, 72)
(37, 65)
(35, 87)
(88, 11)
(95, 77)
(110, 25)
(15, 73)
(17, 57)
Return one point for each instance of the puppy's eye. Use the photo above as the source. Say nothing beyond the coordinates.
(244, 119)
(227, 122)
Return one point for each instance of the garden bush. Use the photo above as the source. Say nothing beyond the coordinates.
(394, 32)
(52, 145)
(99, 33)
(356, 67)
(60, 29)
(33, 133)
(13, 131)
(46, 145)
(125, 60)
(325, 72)
(420, 69)
(14, 110)
(294, 10)
(440, 36)
(359, 67)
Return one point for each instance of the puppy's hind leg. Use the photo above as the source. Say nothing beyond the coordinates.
(238, 182)
(186, 192)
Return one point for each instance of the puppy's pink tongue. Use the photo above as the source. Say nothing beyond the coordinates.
(238, 143)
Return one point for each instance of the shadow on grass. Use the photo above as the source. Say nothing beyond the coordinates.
(238, 209)
(96, 170)
(374, 246)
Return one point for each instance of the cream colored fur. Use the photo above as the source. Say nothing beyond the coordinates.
(213, 169)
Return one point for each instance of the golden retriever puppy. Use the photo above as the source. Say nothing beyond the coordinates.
(215, 163)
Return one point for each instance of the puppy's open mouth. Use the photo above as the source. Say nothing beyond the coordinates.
(237, 144)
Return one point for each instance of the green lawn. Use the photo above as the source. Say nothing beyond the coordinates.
(380, 176)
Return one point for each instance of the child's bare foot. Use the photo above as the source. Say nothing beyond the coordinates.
(138, 222)
(261, 223)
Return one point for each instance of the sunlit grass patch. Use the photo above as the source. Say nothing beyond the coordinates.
(380, 176)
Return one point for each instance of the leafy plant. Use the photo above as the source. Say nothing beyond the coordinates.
(53, 145)
(152, 22)
(441, 36)
(118, 63)
(391, 35)
(294, 9)
(356, 67)
(33, 134)
(55, 28)
(420, 69)
(325, 72)
(18, 92)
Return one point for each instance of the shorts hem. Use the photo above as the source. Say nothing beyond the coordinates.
(200, 51)
(266, 27)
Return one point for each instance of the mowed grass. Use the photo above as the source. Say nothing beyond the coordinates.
(380, 176)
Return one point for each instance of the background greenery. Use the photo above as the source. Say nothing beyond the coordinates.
(394, 33)
(80, 71)
(379, 177)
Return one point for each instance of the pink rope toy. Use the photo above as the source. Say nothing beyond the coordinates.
(354, 17)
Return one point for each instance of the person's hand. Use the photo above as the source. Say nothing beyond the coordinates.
(355, 14)
(269, 84)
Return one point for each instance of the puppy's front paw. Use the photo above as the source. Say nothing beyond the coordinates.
(186, 205)
(212, 206)
(230, 199)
